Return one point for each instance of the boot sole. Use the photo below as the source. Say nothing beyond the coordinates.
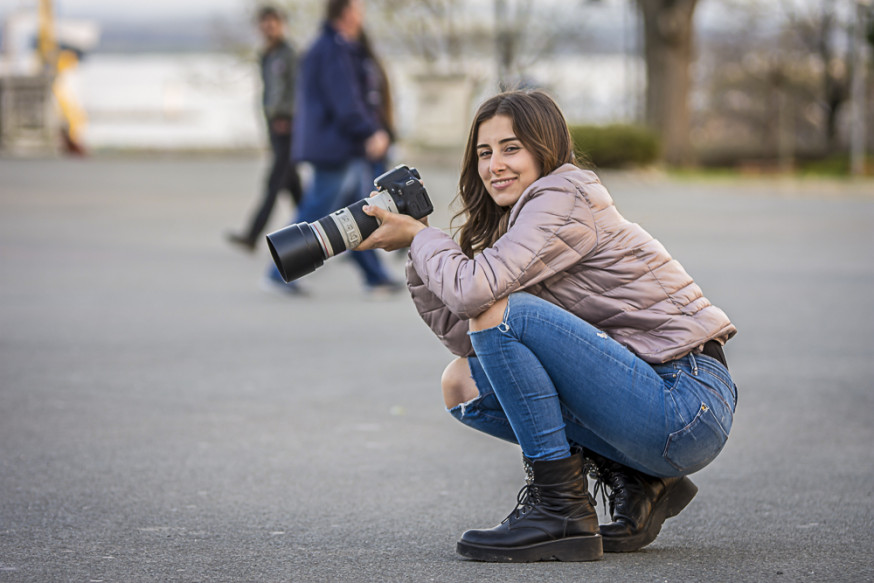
(671, 505)
(578, 548)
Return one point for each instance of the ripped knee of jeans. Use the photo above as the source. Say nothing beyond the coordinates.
(483, 413)
(460, 410)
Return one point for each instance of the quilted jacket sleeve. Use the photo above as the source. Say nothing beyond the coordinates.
(449, 328)
(551, 228)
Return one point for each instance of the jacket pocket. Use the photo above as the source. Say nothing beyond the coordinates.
(698, 443)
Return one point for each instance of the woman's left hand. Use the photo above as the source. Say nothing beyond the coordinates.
(395, 232)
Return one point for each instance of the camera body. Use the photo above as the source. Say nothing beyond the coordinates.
(404, 186)
(301, 248)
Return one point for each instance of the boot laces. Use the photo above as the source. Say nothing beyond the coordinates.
(602, 482)
(527, 497)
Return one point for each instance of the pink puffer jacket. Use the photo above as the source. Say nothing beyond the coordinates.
(569, 245)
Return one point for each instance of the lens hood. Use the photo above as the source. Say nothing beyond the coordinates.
(296, 251)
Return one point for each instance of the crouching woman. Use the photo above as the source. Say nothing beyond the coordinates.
(578, 337)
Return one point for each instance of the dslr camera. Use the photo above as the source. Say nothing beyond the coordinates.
(301, 248)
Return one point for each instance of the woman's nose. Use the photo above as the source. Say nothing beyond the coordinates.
(496, 163)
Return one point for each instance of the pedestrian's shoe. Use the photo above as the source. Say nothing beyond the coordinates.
(639, 505)
(292, 289)
(554, 519)
(245, 243)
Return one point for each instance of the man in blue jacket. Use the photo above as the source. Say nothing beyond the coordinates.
(338, 127)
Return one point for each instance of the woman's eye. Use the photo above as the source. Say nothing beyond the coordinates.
(484, 153)
(512, 149)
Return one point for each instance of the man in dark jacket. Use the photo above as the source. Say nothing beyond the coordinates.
(338, 128)
(278, 70)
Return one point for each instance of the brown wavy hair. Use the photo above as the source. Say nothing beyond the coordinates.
(541, 127)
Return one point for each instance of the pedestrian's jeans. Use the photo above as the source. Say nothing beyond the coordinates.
(548, 380)
(332, 188)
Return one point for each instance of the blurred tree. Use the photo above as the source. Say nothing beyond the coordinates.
(822, 32)
(457, 36)
(428, 28)
(507, 36)
(668, 50)
(746, 107)
(774, 82)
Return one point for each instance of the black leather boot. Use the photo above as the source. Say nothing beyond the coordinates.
(639, 504)
(554, 520)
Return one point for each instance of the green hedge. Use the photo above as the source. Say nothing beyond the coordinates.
(616, 146)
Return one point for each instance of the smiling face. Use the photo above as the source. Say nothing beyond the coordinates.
(505, 165)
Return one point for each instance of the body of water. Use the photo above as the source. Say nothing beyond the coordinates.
(211, 101)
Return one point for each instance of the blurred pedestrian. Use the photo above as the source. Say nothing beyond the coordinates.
(342, 128)
(578, 336)
(378, 98)
(278, 70)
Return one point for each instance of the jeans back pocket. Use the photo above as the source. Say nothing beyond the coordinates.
(698, 443)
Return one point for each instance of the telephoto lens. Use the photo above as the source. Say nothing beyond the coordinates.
(302, 248)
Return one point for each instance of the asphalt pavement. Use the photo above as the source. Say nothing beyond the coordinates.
(163, 418)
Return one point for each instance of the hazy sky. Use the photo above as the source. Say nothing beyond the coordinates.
(128, 10)
(134, 10)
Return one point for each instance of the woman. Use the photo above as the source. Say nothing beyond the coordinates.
(576, 333)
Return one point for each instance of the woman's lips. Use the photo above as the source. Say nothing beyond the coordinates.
(502, 183)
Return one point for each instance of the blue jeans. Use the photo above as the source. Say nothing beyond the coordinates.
(335, 187)
(549, 380)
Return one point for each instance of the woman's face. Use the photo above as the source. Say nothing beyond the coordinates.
(505, 166)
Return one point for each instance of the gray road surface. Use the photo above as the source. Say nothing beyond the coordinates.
(164, 419)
